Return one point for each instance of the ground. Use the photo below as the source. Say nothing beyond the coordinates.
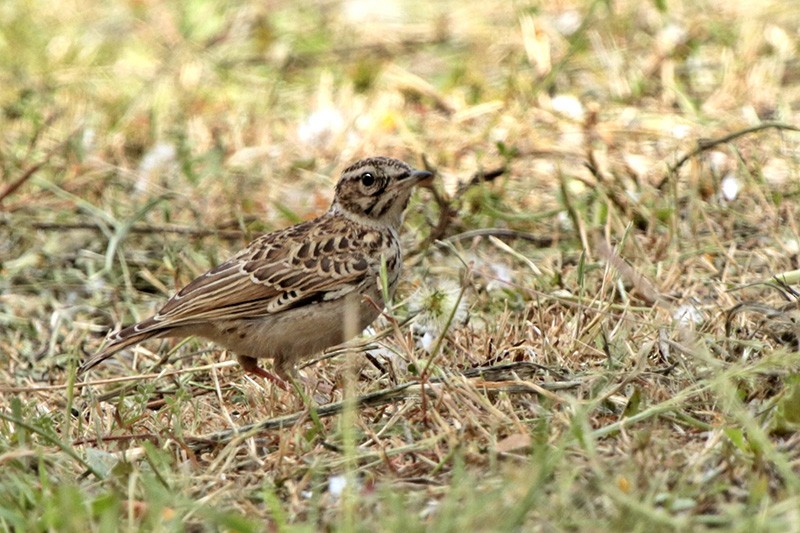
(597, 327)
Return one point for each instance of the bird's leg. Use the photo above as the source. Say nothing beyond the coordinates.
(250, 364)
(286, 369)
(380, 308)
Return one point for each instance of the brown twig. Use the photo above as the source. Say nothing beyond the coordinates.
(17, 183)
(30, 171)
(117, 438)
(144, 228)
(122, 379)
(501, 232)
(446, 215)
(707, 144)
(447, 211)
(505, 378)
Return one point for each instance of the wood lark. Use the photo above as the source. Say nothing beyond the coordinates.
(294, 292)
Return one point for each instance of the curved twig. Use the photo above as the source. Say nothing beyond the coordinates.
(504, 378)
(707, 144)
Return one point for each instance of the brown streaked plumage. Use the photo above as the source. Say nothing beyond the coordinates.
(294, 292)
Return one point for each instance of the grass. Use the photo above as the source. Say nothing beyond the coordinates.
(606, 336)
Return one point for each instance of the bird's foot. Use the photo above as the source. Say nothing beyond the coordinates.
(250, 364)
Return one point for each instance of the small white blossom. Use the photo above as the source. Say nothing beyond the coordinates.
(681, 131)
(568, 22)
(321, 127)
(336, 485)
(434, 307)
(639, 164)
(498, 134)
(688, 314)
(88, 140)
(730, 187)
(565, 221)
(671, 36)
(717, 161)
(568, 105)
(792, 246)
(426, 341)
(159, 158)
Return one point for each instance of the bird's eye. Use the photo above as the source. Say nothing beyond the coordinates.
(367, 179)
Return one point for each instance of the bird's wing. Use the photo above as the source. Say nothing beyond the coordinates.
(279, 271)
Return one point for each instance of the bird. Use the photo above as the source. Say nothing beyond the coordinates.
(294, 292)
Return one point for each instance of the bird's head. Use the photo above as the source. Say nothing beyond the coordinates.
(376, 190)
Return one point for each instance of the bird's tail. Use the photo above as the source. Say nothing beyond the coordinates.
(127, 337)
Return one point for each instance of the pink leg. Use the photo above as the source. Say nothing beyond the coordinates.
(250, 364)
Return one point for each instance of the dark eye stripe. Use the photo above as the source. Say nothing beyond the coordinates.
(383, 184)
(384, 208)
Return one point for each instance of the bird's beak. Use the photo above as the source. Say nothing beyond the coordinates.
(421, 177)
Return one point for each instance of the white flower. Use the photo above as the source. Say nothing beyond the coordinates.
(88, 140)
(688, 314)
(730, 187)
(434, 307)
(336, 485)
(159, 158)
(321, 127)
(671, 36)
(681, 131)
(568, 105)
(426, 341)
(792, 246)
(565, 221)
(717, 161)
(568, 22)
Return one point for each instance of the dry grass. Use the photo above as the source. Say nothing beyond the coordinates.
(625, 354)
